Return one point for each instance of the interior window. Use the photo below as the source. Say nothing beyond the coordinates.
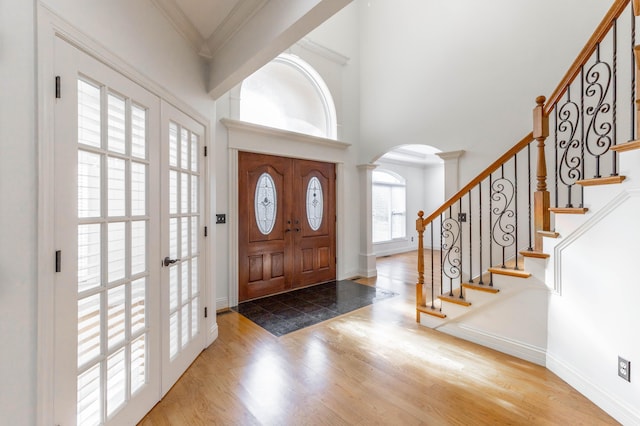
(388, 206)
(289, 94)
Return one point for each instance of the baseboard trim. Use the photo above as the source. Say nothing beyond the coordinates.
(512, 347)
(213, 334)
(222, 303)
(623, 413)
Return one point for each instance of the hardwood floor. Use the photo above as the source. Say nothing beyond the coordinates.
(371, 366)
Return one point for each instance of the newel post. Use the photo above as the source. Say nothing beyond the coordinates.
(542, 216)
(420, 283)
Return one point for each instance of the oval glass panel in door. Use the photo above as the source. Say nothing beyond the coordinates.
(315, 203)
(266, 203)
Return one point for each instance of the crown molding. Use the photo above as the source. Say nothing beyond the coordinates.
(241, 13)
(323, 51)
(418, 163)
(183, 25)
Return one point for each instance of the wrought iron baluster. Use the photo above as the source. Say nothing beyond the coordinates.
(451, 265)
(503, 247)
(614, 154)
(461, 239)
(503, 227)
(441, 259)
(433, 284)
(470, 241)
(555, 137)
(582, 134)
(481, 282)
(597, 137)
(568, 169)
(633, 76)
(490, 229)
(530, 248)
(515, 205)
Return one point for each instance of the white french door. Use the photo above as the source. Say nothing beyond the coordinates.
(182, 243)
(115, 315)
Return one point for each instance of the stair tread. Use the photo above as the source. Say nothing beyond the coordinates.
(628, 146)
(479, 287)
(549, 234)
(434, 312)
(609, 180)
(454, 299)
(510, 272)
(569, 210)
(533, 253)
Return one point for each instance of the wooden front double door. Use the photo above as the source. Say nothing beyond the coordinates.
(287, 224)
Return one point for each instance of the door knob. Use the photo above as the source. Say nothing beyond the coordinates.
(167, 261)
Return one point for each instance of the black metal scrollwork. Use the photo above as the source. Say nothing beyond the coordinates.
(503, 227)
(598, 137)
(451, 247)
(569, 145)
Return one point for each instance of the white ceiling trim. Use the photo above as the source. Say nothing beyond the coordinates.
(241, 13)
(183, 25)
(282, 134)
(323, 51)
(424, 164)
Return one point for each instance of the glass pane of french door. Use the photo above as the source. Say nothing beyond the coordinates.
(112, 251)
(107, 226)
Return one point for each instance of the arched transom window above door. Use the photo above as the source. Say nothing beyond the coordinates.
(289, 94)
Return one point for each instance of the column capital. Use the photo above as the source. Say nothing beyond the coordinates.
(366, 166)
(451, 155)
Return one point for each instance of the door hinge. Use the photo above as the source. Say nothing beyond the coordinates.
(205, 151)
(58, 260)
(206, 231)
(205, 311)
(58, 96)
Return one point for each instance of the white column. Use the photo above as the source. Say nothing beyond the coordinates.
(367, 258)
(451, 172)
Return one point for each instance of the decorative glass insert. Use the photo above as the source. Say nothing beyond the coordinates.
(315, 203)
(266, 203)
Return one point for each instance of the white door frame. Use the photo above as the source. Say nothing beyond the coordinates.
(250, 137)
(49, 27)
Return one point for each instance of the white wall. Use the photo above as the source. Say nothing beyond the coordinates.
(18, 247)
(138, 33)
(593, 316)
(470, 71)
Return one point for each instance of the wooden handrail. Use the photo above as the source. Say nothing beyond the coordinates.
(483, 175)
(599, 34)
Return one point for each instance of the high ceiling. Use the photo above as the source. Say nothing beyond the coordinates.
(240, 36)
(209, 24)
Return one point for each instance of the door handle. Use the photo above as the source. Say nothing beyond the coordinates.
(167, 261)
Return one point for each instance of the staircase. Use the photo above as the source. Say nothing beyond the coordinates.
(492, 268)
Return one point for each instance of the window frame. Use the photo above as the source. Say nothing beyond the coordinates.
(401, 183)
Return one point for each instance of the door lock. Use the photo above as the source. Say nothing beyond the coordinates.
(167, 261)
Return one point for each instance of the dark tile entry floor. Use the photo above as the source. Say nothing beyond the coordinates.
(287, 312)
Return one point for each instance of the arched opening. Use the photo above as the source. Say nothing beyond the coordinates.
(289, 94)
(407, 179)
